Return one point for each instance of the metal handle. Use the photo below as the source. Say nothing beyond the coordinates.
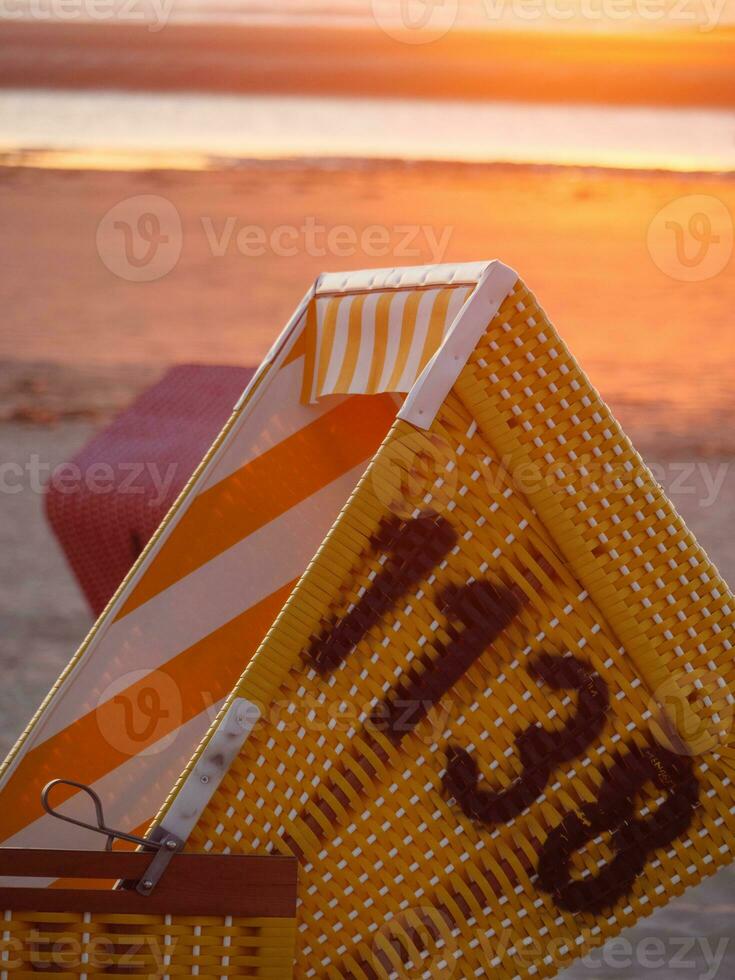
(165, 845)
(101, 827)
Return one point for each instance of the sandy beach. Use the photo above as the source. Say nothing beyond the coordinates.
(80, 340)
(246, 243)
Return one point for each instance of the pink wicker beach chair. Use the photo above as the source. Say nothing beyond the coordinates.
(133, 470)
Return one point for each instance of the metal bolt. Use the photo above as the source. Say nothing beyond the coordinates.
(171, 845)
(204, 779)
(147, 884)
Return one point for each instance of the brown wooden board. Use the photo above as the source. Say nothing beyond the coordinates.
(193, 884)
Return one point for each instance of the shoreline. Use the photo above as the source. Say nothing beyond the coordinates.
(686, 68)
(102, 160)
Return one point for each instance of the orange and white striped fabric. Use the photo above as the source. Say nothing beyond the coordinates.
(366, 343)
(137, 698)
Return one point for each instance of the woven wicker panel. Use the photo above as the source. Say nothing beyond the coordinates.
(497, 707)
(94, 945)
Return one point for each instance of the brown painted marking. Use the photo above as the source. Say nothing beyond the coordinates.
(632, 838)
(540, 751)
(413, 548)
(486, 611)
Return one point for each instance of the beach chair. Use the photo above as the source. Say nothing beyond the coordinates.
(492, 720)
(133, 471)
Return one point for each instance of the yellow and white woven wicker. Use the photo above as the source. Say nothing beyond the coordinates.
(93, 945)
(207, 915)
(493, 718)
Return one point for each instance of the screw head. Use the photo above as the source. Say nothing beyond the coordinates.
(171, 845)
(148, 883)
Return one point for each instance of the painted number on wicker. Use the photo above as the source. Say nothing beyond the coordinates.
(539, 750)
(633, 839)
(413, 549)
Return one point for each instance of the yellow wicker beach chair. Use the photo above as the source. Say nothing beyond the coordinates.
(490, 708)
(492, 720)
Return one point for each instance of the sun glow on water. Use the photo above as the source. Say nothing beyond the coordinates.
(196, 131)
